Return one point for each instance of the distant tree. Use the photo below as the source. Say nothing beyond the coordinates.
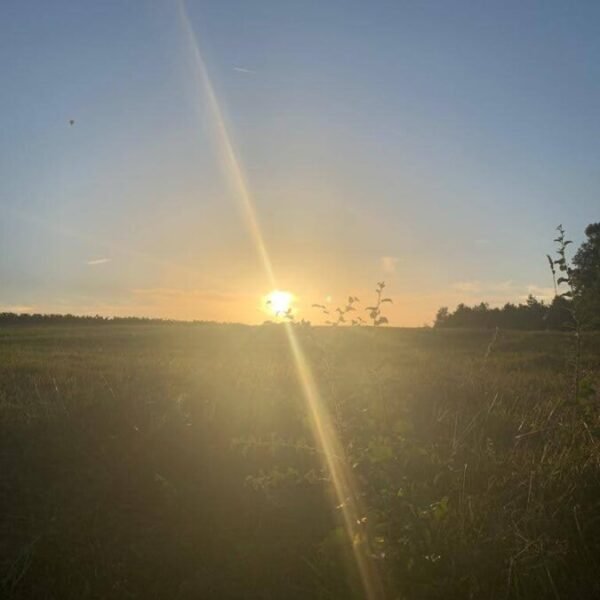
(441, 318)
(559, 315)
(586, 276)
(530, 316)
(535, 314)
(7, 318)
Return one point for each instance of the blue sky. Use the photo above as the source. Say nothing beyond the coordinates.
(433, 144)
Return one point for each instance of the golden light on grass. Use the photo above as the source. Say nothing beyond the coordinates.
(279, 303)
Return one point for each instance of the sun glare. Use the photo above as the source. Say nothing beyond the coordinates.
(279, 303)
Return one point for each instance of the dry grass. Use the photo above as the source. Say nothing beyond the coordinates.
(171, 461)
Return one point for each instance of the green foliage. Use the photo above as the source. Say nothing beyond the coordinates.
(586, 276)
(572, 300)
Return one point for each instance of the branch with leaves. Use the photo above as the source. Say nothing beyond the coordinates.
(561, 266)
(342, 313)
(375, 310)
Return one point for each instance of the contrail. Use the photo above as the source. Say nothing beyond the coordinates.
(244, 70)
(323, 430)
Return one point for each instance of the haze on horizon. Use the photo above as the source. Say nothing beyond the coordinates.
(433, 145)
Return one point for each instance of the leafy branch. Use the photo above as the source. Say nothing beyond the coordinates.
(561, 266)
(375, 310)
(342, 313)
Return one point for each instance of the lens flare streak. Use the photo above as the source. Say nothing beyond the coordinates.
(231, 162)
(341, 476)
(325, 436)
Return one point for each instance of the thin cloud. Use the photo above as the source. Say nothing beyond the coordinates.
(486, 287)
(244, 70)
(388, 264)
(499, 292)
(97, 261)
(468, 287)
(162, 293)
(16, 308)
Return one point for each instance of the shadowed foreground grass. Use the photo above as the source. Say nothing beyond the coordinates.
(176, 461)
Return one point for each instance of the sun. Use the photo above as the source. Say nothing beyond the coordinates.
(279, 303)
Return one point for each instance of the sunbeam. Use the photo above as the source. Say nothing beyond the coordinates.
(324, 434)
(341, 476)
(225, 146)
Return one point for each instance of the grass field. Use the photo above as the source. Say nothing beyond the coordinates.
(177, 461)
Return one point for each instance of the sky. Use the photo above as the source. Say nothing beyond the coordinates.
(433, 145)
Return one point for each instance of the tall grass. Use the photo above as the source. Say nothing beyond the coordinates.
(158, 461)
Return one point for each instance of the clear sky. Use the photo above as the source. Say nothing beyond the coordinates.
(435, 145)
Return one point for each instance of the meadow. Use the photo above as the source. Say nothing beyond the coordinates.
(177, 461)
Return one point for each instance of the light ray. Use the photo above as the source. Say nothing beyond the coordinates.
(341, 476)
(225, 145)
(323, 431)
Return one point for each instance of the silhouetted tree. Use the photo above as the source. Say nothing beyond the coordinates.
(441, 318)
(8, 318)
(531, 315)
(586, 276)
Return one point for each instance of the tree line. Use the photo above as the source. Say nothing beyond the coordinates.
(10, 318)
(582, 300)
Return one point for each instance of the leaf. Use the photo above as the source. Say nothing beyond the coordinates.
(371, 308)
(441, 509)
(562, 280)
(387, 300)
(380, 450)
(382, 320)
(567, 294)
